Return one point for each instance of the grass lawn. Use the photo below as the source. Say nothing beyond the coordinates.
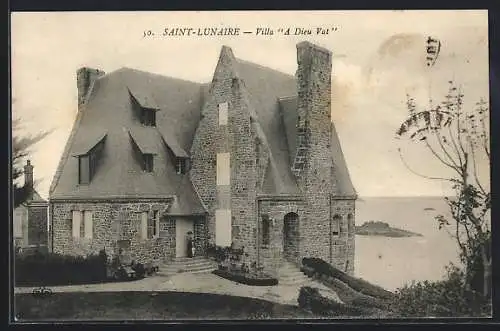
(148, 305)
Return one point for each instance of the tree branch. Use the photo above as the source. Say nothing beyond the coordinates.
(421, 175)
(440, 158)
(438, 138)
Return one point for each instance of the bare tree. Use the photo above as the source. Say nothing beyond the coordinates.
(21, 148)
(458, 138)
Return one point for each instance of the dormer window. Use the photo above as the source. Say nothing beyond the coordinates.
(88, 158)
(147, 165)
(148, 117)
(144, 106)
(143, 148)
(181, 165)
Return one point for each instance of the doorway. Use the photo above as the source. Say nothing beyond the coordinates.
(291, 236)
(182, 227)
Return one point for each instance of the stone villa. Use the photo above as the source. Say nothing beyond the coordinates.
(251, 158)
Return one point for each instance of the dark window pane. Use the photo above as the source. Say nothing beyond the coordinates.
(83, 169)
(148, 162)
(148, 117)
(265, 231)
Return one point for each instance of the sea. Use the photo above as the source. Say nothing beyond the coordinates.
(394, 262)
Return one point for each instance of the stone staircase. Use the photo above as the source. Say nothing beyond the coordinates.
(197, 264)
(290, 274)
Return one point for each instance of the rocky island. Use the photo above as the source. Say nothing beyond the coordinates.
(377, 228)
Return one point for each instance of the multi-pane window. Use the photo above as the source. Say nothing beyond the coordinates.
(88, 163)
(82, 224)
(147, 162)
(148, 117)
(181, 165)
(150, 226)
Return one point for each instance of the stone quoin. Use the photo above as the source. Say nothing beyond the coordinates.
(251, 158)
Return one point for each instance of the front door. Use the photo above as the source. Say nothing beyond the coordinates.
(182, 227)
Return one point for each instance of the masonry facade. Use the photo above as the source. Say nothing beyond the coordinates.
(251, 159)
(30, 218)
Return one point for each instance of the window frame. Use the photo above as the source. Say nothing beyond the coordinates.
(266, 231)
(148, 117)
(336, 225)
(84, 162)
(181, 165)
(148, 162)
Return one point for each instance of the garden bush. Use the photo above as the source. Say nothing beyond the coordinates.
(322, 267)
(310, 299)
(447, 298)
(246, 277)
(56, 269)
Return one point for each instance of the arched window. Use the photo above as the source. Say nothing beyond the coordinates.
(337, 219)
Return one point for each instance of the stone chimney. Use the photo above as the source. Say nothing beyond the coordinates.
(85, 78)
(28, 178)
(314, 69)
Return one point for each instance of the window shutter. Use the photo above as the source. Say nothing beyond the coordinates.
(144, 225)
(223, 169)
(89, 226)
(77, 215)
(223, 227)
(223, 108)
(156, 218)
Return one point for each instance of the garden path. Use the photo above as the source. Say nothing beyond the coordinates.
(200, 283)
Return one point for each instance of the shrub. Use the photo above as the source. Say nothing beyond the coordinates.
(310, 299)
(447, 298)
(56, 269)
(140, 270)
(246, 278)
(324, 268)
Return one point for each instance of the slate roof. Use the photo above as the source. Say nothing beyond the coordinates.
(265, 86)
(109, 115)
(109, 109)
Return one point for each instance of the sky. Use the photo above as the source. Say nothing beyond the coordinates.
(378, 57)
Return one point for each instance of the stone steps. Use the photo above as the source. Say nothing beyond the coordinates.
(290, 274)
(187, 265)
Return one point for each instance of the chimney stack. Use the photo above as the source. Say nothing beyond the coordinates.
(314, 69)
(28, 177)
(85, 78)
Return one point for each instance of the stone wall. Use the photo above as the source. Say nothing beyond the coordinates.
(37, 225)
(238, 138)
(113, 221)
(343, 243)
(270, 256)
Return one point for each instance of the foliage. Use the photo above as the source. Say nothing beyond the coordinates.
(309, 298)
(447, 298)
(247, 278)
(459, 138)
(21, 148)
(324, 268)
(55, 269)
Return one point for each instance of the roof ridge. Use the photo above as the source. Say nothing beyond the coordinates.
(140, 71)
(263, 67)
